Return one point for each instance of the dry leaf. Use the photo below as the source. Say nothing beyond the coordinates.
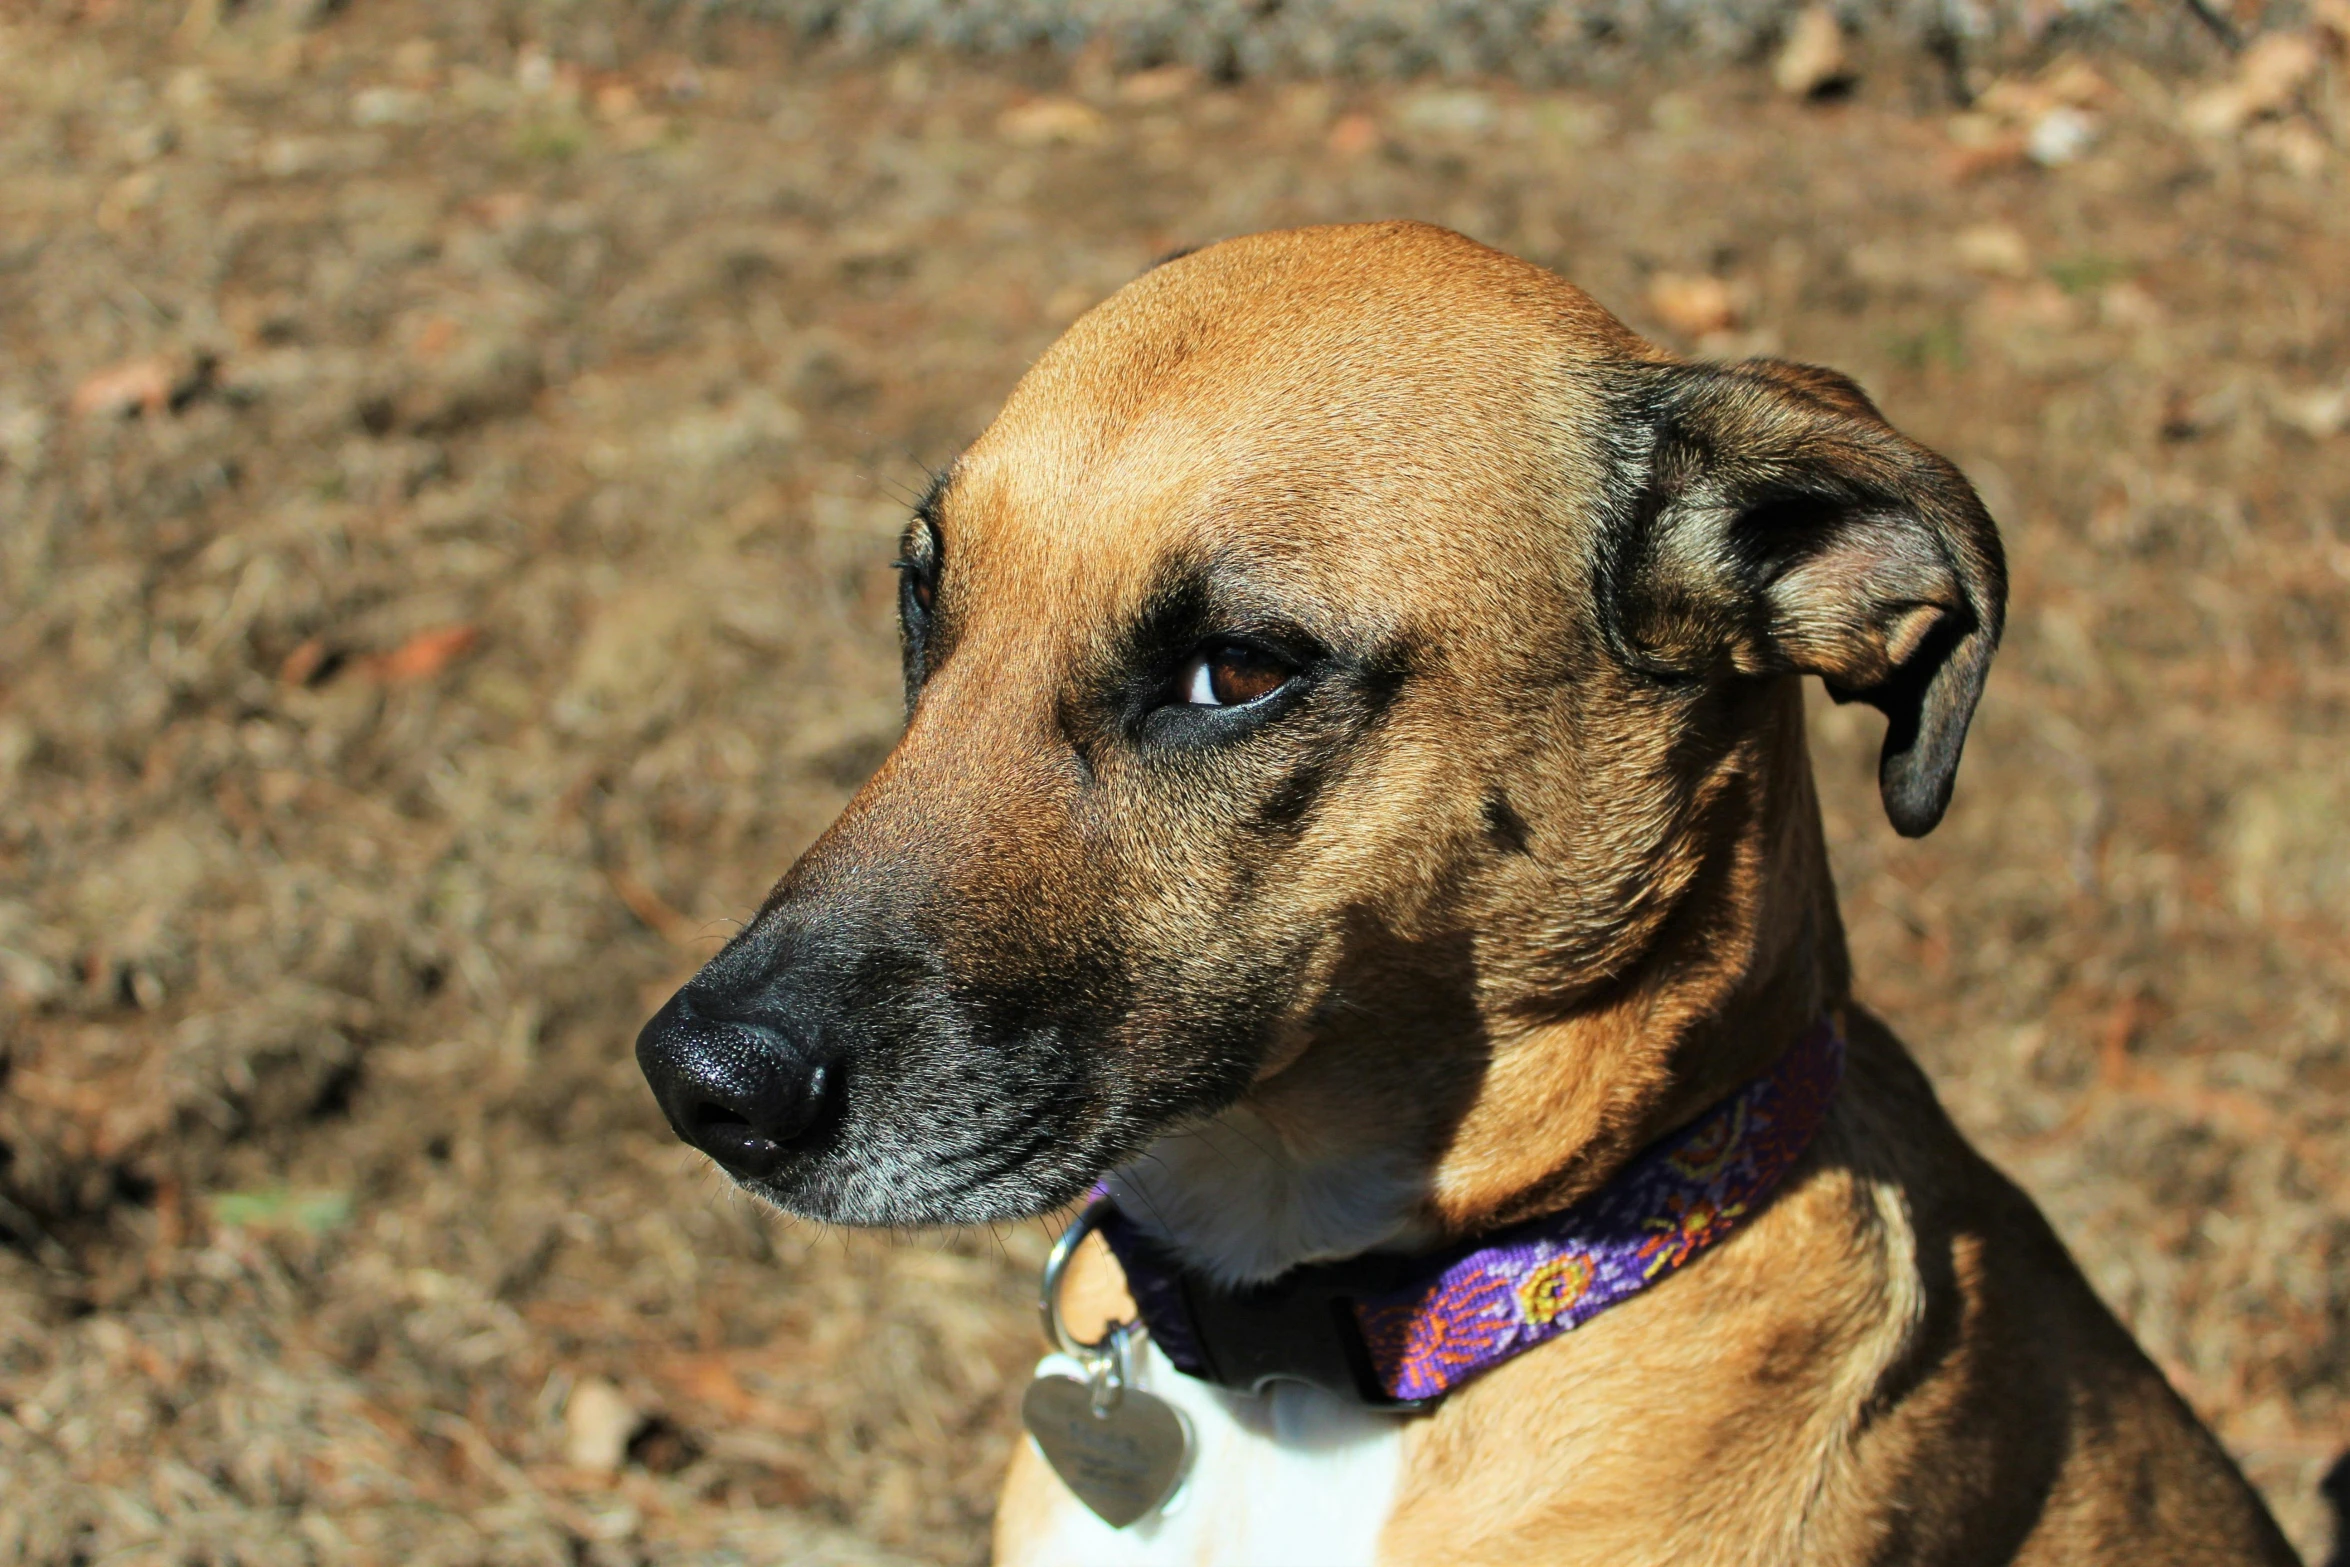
(2128, 304)
(425, 654)
(2267, 80)
(304, 663)
(598, 1420)
(712, 1380)
(1354, 135)
(1162, 84)
(2075, 83)
(1974, 160)
(2317, 412)
(2293, 143)
(1693, 304)
(617, 101)
(1812, 60)
(1044, 121)
(1993, 248)
(138, 386)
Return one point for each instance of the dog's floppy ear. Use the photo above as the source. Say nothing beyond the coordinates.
(1782, 526)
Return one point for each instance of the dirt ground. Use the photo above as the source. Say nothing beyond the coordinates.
(448, 460)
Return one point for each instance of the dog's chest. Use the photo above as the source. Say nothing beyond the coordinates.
(1297, 1478)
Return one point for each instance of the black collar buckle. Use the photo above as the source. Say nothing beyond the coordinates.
(1300, 1327)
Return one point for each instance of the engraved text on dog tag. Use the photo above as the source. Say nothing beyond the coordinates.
(1123, 1461)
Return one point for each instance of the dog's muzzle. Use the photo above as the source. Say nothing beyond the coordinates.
(747, 1092)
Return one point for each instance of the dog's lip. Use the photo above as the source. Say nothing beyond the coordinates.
(1042, 1148)
(1001, 1193)
(1041, 1139)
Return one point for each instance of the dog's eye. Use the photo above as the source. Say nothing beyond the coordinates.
(1230, 675)
(919, 587)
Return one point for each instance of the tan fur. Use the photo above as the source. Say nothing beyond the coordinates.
(1550, 913)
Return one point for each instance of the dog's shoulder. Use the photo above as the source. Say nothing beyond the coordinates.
(1896, 1359)
(2057, 1439)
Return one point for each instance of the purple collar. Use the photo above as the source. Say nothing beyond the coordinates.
(1399, 1332)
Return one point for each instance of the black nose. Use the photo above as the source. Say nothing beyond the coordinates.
(743, 1092)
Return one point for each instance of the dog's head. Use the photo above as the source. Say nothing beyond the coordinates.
(1350, 663)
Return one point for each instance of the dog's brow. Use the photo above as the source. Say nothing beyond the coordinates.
(1194, 595)
(934, 496)
(1175, 609)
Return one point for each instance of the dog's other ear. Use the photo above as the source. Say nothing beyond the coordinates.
(1782, 526)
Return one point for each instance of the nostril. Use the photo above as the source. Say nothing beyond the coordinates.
(715, 1117)
(733, 1139)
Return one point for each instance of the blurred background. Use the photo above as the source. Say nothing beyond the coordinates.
(449, 456)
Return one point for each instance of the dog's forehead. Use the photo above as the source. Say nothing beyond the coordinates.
(1394, 381)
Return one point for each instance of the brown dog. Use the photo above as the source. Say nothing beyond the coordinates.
(1356, 790)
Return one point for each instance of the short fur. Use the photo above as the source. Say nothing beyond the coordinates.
(1521, 869)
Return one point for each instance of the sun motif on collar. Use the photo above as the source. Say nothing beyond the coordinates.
(1690, 1225)
(1556, 1286)
(1712, 1145)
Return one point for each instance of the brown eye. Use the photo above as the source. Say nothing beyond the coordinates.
(1232, 676)
(923, 593)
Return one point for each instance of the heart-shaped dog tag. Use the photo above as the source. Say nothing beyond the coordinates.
(1123, 1461)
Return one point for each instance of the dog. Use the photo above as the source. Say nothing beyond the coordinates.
(1354, 797)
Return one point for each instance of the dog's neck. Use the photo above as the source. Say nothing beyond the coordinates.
(1753, 958)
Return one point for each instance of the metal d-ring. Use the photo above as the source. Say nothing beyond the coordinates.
(1105, 1359)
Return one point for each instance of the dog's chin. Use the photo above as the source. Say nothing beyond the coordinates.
(911, 1188)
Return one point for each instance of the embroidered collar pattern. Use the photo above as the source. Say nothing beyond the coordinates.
(1439, 1321)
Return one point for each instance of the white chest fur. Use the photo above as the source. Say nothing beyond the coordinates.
(1296, 1478)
